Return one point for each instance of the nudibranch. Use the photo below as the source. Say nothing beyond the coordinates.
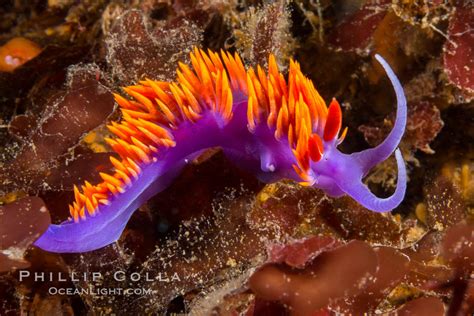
(274, 127)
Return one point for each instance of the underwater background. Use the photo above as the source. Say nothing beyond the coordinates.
(218, 241)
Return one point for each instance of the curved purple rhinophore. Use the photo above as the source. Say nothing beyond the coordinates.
(255, 149)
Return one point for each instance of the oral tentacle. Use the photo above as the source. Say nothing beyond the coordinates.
(373, 156)
(361, 193)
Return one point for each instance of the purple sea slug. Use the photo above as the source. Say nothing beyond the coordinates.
(274, 127)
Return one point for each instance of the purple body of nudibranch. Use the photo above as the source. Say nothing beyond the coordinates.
(257, 151)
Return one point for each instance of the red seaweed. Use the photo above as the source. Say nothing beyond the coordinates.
(458, 56)
(423, 125)
(21, 223)
(354, 32)
(56, 132)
